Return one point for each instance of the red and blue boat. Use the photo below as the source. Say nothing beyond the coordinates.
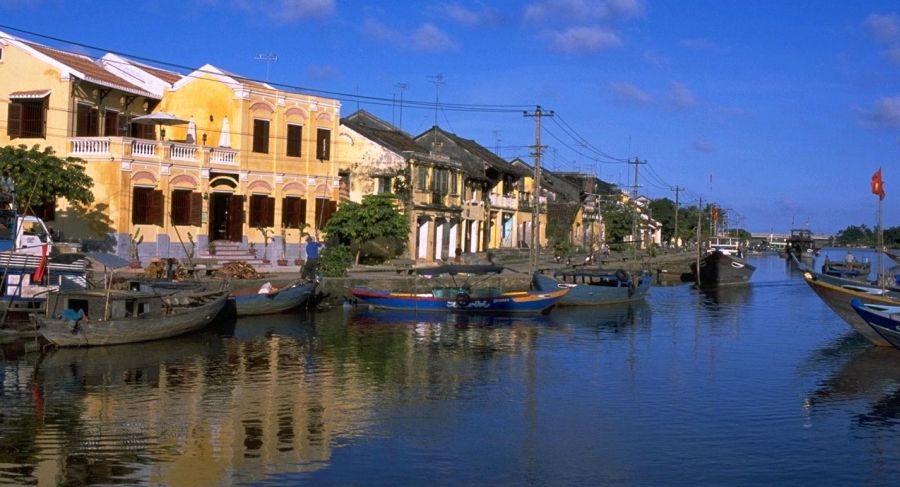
(459, 295)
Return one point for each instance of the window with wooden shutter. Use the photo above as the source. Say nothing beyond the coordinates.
(262, 211)
(293, 211)
(111, 124)
(141, 206)
(323, 144)
(261, 136)
(324, 209)
(196, 209)
(14, 123)
(181, 207)
(87, 121)
(294, 140)
(157, 207)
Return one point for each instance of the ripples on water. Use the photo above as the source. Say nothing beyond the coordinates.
(762, 384)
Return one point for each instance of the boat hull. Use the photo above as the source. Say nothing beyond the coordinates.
(594, 295)
(517, 302)
(285, 299)
(719, 269)
(884, 320)
(838, 294)
(68, 333)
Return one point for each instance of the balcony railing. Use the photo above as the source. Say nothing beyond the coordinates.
(149, 150)
(498, 201)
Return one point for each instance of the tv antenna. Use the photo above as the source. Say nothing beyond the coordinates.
(268, 59)
(438, 81)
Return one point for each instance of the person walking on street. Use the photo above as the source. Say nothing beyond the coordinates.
(311, 267)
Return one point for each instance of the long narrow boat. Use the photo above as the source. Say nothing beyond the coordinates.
(718, 268)
(837, 293)
(251, 302)
(592, 287)
(109, 317)
(461, 296)
(848, 269)
(884, 319)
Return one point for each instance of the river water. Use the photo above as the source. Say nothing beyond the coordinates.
(754, 385)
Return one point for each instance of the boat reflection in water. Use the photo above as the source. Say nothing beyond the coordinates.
(612, 318)
(868, 374)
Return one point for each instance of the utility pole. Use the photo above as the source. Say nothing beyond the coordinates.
(677, 190)
(536, 207)
(269, 59)
(634, 196)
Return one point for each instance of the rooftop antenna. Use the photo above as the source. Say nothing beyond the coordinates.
(497, 141)
(403, 87)
(268, 59)
(438, 81)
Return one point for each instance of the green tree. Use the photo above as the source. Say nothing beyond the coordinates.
(42, 177)
(377, 217)
(617, 218)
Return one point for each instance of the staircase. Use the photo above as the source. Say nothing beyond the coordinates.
(227, 251)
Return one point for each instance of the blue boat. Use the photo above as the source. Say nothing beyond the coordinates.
(459, 296)
(592, 287)
(884, 319)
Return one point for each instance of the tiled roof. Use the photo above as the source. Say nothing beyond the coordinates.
(380, 131)
(29, 94)
(91, 70)
(489, 158)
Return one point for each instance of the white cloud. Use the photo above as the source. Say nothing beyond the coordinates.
(583, 10)
(885, 114)
(680, 96)
(701, 144)
(582, 39)
(288, 10)
(698, 43)
(656, 60)
(630, 94)
(322, 72)
(425, 38)
(430, 38)
(464, 15)
(884, 27)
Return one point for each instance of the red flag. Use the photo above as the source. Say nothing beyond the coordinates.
(878, 184)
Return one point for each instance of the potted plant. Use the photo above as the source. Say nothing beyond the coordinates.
(135, 240)
(283, 260)
(252, 249)
(211, 248)
(267, 235)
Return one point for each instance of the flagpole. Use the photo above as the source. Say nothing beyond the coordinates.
(880, 245)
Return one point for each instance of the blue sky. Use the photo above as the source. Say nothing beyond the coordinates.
(779, 111)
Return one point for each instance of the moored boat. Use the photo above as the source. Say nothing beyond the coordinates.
(849, 268)
(591, 287)
(459, 296)
(251, 302)
(108, 317)
(837, 293)
(884, 319)
(717, 268)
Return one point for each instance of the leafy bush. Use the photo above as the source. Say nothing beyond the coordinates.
(335, 260)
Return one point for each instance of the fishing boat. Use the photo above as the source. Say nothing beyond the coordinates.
(801, 245)
(884, 319)
(92, 317)
(591, 287)
(718, 268)
(837, 293)
(270, 300)
(458, 287)
(849, 268)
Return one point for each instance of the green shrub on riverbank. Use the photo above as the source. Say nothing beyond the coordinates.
(335, 260)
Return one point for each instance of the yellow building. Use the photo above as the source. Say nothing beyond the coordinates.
(235, 157)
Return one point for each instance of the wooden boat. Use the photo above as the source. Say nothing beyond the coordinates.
(250, 302)
(837, 293)
(459, 296)
(720, 269)
(801, 245)
(108, 317)
(848, 269)
(590, 287)
(884, 319)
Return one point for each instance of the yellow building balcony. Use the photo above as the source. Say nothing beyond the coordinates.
(93, 148)
(504, 202)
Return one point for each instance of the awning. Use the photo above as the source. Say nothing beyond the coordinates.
(33, 94)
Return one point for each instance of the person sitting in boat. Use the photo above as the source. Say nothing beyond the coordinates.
(849, 258)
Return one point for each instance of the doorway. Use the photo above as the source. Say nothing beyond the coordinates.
(226, 221)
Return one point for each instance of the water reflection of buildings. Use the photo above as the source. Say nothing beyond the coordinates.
(272, 396)
(199, 410)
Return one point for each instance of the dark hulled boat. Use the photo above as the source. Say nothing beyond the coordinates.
(718, 268)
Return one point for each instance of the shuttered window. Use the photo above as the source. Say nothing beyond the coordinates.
(261, 136)
(323, 144)
(27, 119)
(294, 140)
(262, 211)
(324, 209)
(293, 211)
(87, 121)
(147, 206)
